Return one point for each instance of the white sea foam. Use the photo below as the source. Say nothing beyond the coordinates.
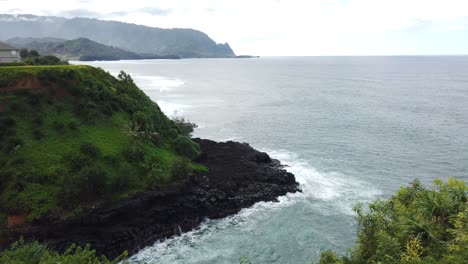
(172, 109)
(325, 188)
(230, 139)
(145, 82)
(161, 83)
(337, 189)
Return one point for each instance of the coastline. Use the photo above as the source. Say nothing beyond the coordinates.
(238, 176)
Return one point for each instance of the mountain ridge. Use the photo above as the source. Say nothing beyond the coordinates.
(80, 49)
(183, 42)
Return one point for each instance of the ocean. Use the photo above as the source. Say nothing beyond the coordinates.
(351, 129)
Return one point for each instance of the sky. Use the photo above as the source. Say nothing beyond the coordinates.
(288, 27)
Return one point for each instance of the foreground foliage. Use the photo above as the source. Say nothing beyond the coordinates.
(36, 253)
(416, 225)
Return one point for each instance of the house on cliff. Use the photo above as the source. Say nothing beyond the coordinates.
(9, 53)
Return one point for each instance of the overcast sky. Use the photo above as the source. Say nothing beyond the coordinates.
(289, 27)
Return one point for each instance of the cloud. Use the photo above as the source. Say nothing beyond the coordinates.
(81, 12)
(292, 27)
(115, 14)
(155, 11)
(14, 10)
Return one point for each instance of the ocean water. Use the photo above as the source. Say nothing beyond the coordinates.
(351, 129)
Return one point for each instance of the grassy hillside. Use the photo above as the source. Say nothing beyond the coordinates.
(73, 137)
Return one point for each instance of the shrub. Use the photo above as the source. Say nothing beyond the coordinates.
(87, 183)
(58, 126)
(16, 106)
(36, 253)
(76, 162)
(38, 134)
(46, 75)
(17, 161)
(142, 120)
(416, 225)
(181, 168)
(73, 125)
(77, 254)
(38, 120)
(44, 60)
(7, 122)
(33, 53)
(35, 99)
(186, 147)
(107, 109)
(172, 133)
(90, 150)
(185, 127)
(133, 155)
(330, 257)
(94, 179)
(122, 180)
(154, 171)
(59, 108)
(112, 160)
(5, 134)
(23, 253)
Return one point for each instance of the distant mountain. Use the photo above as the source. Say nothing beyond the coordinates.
(25, 41)
(80, 49)
(186, 43)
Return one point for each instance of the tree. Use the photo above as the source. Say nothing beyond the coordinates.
(185, 127)
(33, 53)
(125, 77)
(24, 53)
(184, 146)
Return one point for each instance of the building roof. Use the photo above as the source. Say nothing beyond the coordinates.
(4, 46)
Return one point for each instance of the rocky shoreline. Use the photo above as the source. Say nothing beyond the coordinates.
(238, 177)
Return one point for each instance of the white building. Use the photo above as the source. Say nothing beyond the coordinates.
(9, 53)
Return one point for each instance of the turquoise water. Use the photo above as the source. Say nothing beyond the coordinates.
(352, 129)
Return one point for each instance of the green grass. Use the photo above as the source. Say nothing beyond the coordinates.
(46, 168)
(10, 75)
(199, 167)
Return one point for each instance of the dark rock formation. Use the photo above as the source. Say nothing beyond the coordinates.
(238, 177)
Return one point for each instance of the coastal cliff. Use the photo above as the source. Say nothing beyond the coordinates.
(88, 158)
(238, 176)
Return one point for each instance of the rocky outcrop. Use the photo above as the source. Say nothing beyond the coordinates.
(238, 177)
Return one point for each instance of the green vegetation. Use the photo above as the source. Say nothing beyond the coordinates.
(73, 137)
(32, 57)
(35, 253)
(417, 225)
(79, 49)
(185, 127)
